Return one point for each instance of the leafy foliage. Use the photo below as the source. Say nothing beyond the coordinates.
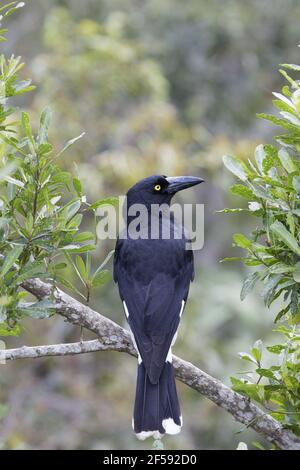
(271, 185)
(5, 11)
(41, 208)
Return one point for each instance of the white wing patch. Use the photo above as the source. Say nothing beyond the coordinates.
(182, 307)
(131, 334)
(174, 339)
(169, 356)
(125, 309)
(135, 347)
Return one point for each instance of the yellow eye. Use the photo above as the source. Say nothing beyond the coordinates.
(157, 187)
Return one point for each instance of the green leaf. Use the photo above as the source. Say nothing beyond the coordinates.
(75, 267)
(294, 301)
(265, 373)
(42, 309)
(23, 86)
(69, 285)
(15, 6)
(249, 389)
(276, 348)
(233, 258)
(249, 284)
(44, 149)
(237, 167)
(81, 267)
(296, 274)
(44, 125)
(69, 210)
(69, 143)
(281, 268)
(292, 82)
(77, 186)
(243, 191)
(78, 248)
(28, 132)
(285, 100)
(61, 177)
(108, 201)
(14, 181)
(101, 278)
(257, 350)
(75, 221)
(260, 156)
(252, 262)
(104, 263)
(260, 192)
(7, 170)
(286, 161)
(32, 270)
(247, 357)
(58, 266)
(72, 209)
(13, 143)
(281, 313)
(8, 5)
(269, 290)
(271, 158)
(83, 237)
(232, 211)
(296, 183)
(286, 91)
(285, 236)
(241, 241)
(10, 259)
(6, 330)
(279, 122)
(291, 67)
(291, 118)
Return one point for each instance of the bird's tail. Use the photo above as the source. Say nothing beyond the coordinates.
(156, 408)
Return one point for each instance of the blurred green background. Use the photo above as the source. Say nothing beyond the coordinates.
(159, 87)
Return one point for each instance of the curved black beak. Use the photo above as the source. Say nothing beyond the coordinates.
(177, 183)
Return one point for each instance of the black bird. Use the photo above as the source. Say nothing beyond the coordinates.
(153, 276)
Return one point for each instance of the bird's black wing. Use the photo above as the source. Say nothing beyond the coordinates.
(153, 278)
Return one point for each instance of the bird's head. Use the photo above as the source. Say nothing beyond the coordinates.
(159, 189)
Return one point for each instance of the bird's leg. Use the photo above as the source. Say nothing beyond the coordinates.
(81, 334)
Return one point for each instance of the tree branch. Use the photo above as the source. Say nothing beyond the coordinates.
(64, 349)
(113, 337)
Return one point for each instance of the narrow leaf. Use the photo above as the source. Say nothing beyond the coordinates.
(69, 143)
(44, 125)
(236, 167)
(10, 259)
(249, 284)
(284, 235)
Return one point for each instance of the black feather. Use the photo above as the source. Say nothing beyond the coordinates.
(153, 276)
(155, 402)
